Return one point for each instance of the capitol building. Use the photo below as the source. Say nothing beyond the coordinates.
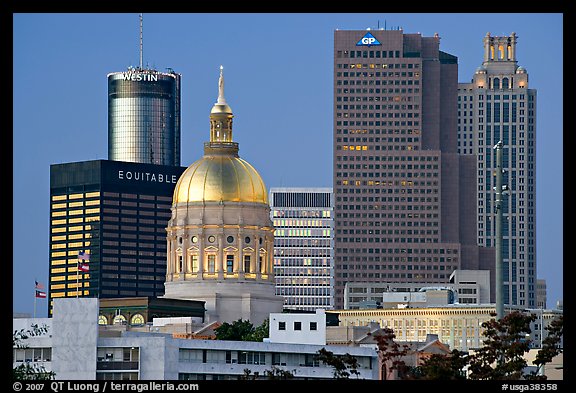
(220, 239)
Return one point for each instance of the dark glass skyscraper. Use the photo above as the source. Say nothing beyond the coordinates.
(405, 200)
(117, 213)
(144, 117)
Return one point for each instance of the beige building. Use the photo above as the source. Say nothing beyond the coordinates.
(458, 326)
(220, 237)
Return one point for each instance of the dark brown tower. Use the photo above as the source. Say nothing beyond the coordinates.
(404, 197)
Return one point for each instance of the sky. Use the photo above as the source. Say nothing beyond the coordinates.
(278, 69)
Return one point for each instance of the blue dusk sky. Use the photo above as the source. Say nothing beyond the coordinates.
(278, 69)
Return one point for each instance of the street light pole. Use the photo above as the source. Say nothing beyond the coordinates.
(499, 264)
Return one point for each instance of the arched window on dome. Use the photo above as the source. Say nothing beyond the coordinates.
(119, 320)
(501, 52)
(505, 83)
(496, 83)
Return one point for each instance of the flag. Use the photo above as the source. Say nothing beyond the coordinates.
(38, 285)
(41, 294)
(83, 267)
(83, 256)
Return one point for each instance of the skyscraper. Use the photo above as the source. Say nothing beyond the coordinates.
(497, 105)
(405, 202)
(116, 214)
(303, 246)
(144, 116)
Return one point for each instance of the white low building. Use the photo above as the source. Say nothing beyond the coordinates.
(75, 349)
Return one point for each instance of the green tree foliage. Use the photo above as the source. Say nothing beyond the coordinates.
(344, 366)
(275, 373)
(392, 354)
(550, 347)
(502, 356)
(260, 332)
(444, 367)
(279, 373)
(28, 371)
(241, 330)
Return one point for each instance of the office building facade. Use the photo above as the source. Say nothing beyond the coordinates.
(405, 205)
(498, 105)
(144, 116)
(303, 246)
(115, 212)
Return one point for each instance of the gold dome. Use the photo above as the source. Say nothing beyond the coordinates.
(216, 178)
(220, 176)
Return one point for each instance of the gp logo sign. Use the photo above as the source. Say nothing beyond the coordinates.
(368, 40)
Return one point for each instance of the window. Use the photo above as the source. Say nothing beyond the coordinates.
(230, 239)
(281, 325)
(211, 263)
(229, 263)
(194, 260)
(297, 325)
(246, 263)
(313, 325)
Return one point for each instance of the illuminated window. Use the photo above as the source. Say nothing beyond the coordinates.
(59, 197)
(58, 222)
(76, 204)
(58, 254)
(194, 260)
(211, 263)
(92, 203)
(119, 320)
(229, 263)
(59, 214)
(247, 263)
(137, 319)
(92, 194)
(102, 320)
(75, 196)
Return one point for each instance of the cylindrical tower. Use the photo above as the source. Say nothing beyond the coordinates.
(220, 237)
(144, 117)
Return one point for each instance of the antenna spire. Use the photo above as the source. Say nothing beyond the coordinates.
(141, 44)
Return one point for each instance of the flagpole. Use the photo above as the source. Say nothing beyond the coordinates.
(34, 302)
(77, 275)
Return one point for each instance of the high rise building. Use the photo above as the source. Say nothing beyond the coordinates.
(220, 236)
(405, 201)
(541, 294)
(144, 116)
(116, 213)
(303, 246)
(497, 105)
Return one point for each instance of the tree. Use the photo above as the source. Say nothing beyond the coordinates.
(392, 354)
(260, 332)
(443, 367)
(27, 371)
(242, 330)
(279, 373)
(550, 347)
(344, 366)
(502, 355)
(235, 331)
(274, 373)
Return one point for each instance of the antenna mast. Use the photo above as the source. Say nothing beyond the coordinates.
(141, 44)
